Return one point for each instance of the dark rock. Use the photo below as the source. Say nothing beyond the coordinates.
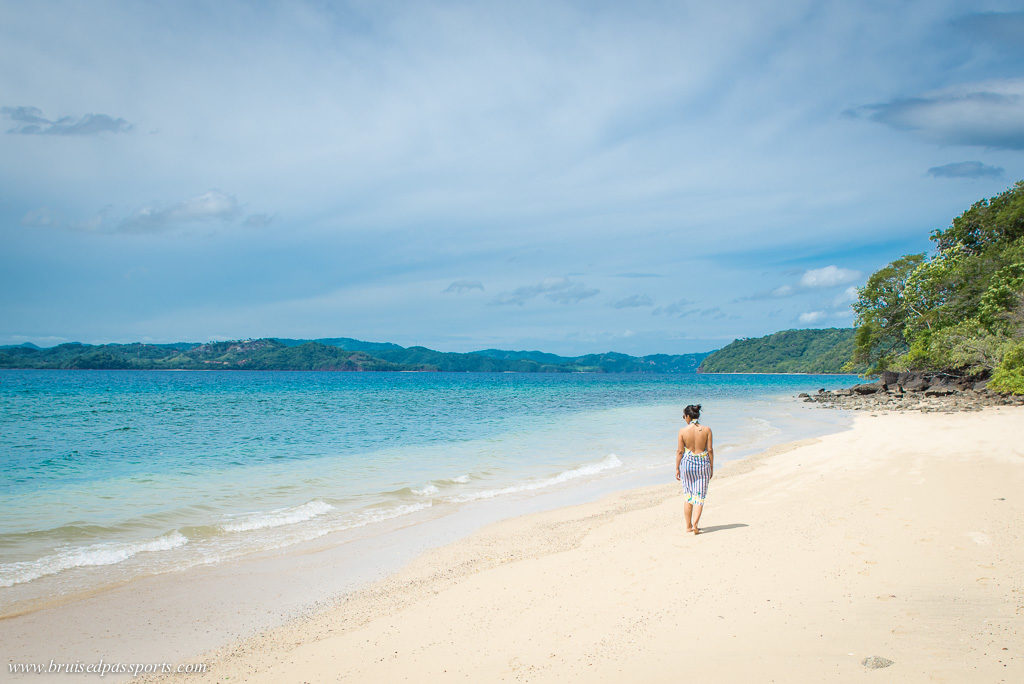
(889, 378)
(916, 384)
(876, 662)
(868, 388)
(939, 391)
(803, 395)
(980, 385)
(843, 392)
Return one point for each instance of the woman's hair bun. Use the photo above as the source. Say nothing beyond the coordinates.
(693, 411)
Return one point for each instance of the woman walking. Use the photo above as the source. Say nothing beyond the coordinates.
(695, 456)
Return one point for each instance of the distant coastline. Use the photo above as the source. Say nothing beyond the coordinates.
(797, 352)
(328, 354)
(703, 372)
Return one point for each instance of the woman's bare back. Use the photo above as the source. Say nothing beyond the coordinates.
(696, 438)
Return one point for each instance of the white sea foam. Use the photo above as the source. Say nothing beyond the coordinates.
(429, 490)
(461, 479)
(766, 428)
(353, 521)
(372, 515)
(278, 517)
(105, 553)
(607, 463)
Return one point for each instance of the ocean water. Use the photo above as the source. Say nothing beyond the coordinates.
(109, 475)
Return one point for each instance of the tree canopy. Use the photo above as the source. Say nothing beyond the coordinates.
(959, 310)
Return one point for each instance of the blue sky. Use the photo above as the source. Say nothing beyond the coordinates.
(573, 177)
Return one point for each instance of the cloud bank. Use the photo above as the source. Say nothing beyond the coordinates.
(30, 121)
(987, 114)
(967, 169)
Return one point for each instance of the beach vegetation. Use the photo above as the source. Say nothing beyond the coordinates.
(960, 309)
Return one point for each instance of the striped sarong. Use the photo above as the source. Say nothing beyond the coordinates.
(696, 472)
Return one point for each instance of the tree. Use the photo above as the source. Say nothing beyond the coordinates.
(883, 313)
(962, 310)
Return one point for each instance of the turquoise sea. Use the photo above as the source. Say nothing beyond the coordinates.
(109, 475)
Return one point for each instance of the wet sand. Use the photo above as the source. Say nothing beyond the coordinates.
(900, 540)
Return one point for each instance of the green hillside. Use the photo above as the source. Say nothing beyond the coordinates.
(790, 351)
(328, 354)
(242, 355)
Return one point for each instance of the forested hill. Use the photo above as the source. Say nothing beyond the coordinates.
(790, 351)
(328, 354)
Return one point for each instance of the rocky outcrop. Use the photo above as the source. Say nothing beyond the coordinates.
(912, 391)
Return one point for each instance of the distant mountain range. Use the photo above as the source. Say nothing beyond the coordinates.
(789, 351)
(328, 354)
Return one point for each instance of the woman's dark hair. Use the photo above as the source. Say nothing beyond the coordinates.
(692, 411)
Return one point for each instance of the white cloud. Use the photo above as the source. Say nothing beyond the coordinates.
(212, 205)
(812, 316)
(783, 291)
(847, 296)
(829, 276)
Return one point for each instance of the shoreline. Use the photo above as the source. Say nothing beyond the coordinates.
(831, 375)
(939, 595)
(230, 599)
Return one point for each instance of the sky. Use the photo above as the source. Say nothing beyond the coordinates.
(575, 177)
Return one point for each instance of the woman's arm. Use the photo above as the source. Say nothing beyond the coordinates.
(711, 454)
(679, 454)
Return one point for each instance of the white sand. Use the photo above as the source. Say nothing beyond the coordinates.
(900, 538)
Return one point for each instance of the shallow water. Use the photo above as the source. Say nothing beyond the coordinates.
(108, 475)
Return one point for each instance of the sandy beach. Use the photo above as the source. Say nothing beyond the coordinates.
(898, 539)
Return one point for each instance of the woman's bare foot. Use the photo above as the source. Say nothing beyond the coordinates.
(696, 530)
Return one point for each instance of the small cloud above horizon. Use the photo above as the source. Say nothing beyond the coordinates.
(461, 286)
(559, 290)
(258, 220)
(632, 302)
(30, 121)
(811, 279)
(679, 308)
(828, 276)
(812, 316)
(966, 169)
(847, 296)
(212, 205)
(39, 218)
